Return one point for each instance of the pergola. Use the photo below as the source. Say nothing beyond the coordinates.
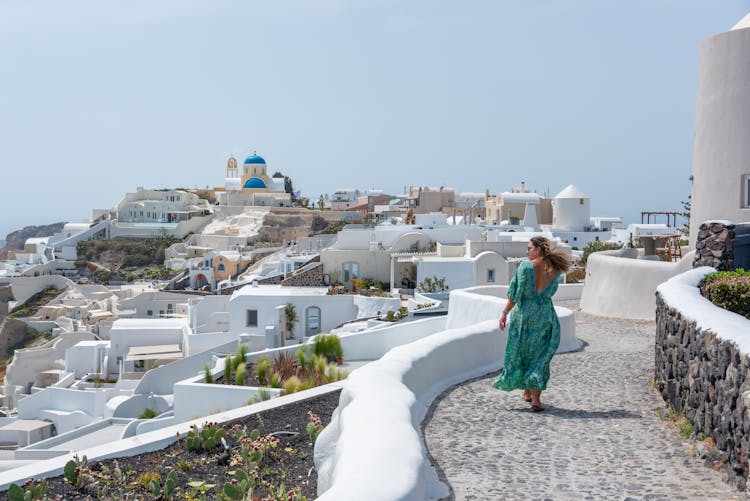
(671, 217)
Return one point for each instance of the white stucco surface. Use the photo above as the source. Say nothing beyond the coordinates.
(625, 288)
(721, 159)
(681, 292)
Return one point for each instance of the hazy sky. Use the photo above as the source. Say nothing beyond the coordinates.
(98, 97)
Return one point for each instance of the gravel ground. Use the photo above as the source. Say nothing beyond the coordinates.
(600, 437)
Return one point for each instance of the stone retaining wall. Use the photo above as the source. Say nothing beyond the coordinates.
(714, 245)
(704, 378)
(312, 277)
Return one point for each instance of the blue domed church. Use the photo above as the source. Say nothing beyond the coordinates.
(252, 186)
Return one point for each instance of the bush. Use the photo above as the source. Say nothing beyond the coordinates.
(729, 290)
(263, 369)
(596, 247)
(149, 413)
(329, 346)
(432, 284)
(575, 276)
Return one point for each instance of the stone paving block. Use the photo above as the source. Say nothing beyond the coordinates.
(600, 436)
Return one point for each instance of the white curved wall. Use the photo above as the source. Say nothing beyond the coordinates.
(722, 151)
(625, 288)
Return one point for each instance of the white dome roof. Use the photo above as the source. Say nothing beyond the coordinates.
(571, 192)
(744, 23)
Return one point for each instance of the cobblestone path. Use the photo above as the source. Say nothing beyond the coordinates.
(600, 436)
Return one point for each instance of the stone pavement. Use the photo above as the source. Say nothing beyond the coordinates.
(600, 436)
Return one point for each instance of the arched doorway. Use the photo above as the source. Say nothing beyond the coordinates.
(312, 321)
(200, 281)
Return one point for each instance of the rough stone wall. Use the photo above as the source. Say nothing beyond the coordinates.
(5, 296)
(714, 246)
(13, 333)
(706, 379)
(275, 280)
(312, 277)
(290, 223)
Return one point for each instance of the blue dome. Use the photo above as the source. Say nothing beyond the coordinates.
(255, 159)
(255, 182)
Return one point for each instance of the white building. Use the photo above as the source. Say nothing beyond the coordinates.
(721, 165)
(127, 334)
(160, 206)
(256, 311)
(343, 198)
(487, 262)
(371, 252)
(571, 210)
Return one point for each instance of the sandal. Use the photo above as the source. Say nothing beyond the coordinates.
(537, 408)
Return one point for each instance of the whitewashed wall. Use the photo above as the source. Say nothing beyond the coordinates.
(625, 288)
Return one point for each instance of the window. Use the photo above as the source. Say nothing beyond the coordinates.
(252, 318)
(491, 275)
(150, 313)
(220, 267)
(746, 188)
(575, 239)
(349, 271)
(597, 238)
(169, 306)
(312, 321)
(237, 268)
(580, 201)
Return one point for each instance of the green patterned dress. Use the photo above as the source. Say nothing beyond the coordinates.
(533, 333)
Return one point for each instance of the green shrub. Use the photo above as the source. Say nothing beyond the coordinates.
(729, 290)
(239, 376)
(149, 413)
(596, 247)
(432, 284)
(207, 377)
(228, 369)
(329, 346)
(263, 367)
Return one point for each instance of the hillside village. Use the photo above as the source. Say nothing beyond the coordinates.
(169, 278)
(176, 306)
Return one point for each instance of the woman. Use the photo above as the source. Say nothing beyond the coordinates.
(534, 331)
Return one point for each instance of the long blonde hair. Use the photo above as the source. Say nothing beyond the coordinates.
(554, 257)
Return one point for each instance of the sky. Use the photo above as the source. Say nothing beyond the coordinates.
(100, 97)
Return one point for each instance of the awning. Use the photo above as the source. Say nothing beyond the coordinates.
(156, 352)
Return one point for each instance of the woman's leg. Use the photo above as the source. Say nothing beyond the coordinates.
(536, 403)
(527, 395)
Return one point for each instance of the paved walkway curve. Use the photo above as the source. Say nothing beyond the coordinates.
(600, 436)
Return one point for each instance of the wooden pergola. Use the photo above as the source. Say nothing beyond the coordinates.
(671, 217)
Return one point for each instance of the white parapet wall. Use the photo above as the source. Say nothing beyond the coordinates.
(682, 292)
(373, 448)
(565, 292)
(625, 288)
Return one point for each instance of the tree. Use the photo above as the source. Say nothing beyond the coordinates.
(290, 318)
(686, 207)
(287, 183)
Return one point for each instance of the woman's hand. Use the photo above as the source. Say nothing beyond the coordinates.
(503, 321)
